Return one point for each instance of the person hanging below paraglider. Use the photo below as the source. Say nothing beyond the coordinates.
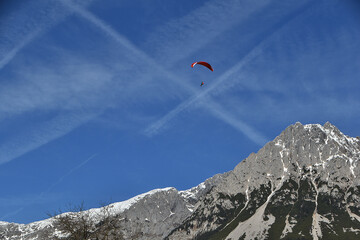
(204, 64)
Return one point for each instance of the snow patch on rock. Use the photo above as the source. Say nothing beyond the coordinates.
(288, 226)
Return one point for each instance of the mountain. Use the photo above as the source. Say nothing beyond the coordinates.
(302, 185)
(151, 215)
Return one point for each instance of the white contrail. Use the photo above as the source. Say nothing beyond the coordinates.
(12, 53)
(67, 174)
(36, 29)
(219, 87)
(51, 130)
(105, 28)
(41, 195)
(239, 125)
(154, 128)
(214, 109)
(13, 213)
(181, 37)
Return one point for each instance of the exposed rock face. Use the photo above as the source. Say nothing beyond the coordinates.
(147, 216)
(302, 185)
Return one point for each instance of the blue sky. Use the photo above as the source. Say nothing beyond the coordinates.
(98, 102)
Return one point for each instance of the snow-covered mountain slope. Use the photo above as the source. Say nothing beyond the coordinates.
(302, 185)
(148, 216)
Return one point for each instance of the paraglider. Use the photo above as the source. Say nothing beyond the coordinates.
(205, 64)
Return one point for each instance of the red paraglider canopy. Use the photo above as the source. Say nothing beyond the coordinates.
(204, 64)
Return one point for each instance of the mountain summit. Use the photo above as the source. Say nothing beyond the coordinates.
(302, 185)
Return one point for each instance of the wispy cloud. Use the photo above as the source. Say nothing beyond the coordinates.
(107, 29)
(181, 37)
(68, 85)
(89, 89)
(78, 89)
(39, 136)
(68, 93)
(28, 22)
(11, 53)
(214, 108)
(231, 76)
(19, 28)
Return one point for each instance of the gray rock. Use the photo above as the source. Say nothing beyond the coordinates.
(302, 184)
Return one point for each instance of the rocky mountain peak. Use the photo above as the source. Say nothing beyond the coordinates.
(313, 146)
(301, 185)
